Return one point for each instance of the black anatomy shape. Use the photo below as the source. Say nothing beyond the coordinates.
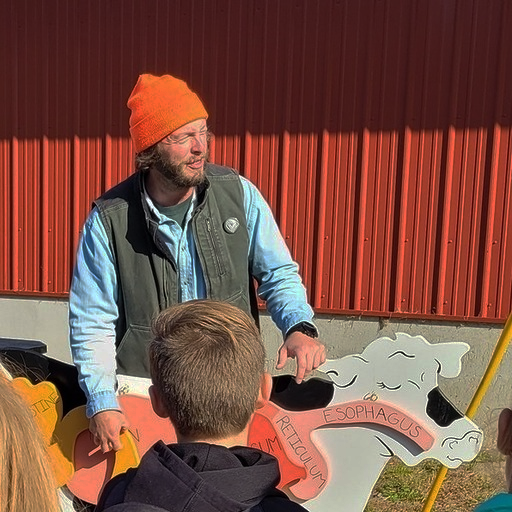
(314, 393)
(37, 367)
(440, 409)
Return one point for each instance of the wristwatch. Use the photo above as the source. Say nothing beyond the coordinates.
(305, 328)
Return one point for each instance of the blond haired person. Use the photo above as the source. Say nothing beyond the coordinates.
(210, 395)
(26, 480)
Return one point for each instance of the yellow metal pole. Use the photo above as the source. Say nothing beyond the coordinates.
(485, 382)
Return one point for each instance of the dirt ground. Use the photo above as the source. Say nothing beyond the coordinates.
(404, 489)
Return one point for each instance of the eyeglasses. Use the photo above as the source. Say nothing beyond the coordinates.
(183, 139)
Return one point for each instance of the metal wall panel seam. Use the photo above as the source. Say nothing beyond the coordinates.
(314, 164)
(376, 165)
(458, 220)
(13, 79)
(460, 289)
(62, 267)
(15, 229)
(366, 113)
(418, 236)
(302, 140)
(502, 66)
(498, 231)
(75, 203)
(45, 205)
(318, 283)
(46, 146)
(33, 252)
(506, 236)
(350, 220)
(426, 278)
(452, 134)
(476, 232)
(6, 209)
(249, 91)
(403, 208)
(390, 232)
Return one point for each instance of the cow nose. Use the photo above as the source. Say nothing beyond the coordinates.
(441, 410)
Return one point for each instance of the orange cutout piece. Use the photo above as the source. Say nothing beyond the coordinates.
(46, 406)
(68, 430)
(44, 401)
(93, 469)
(62, 467)
(145, 426)
(263, 436)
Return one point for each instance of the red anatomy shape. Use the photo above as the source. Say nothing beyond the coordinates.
(293, 433)
(93, 469)
(263, 436)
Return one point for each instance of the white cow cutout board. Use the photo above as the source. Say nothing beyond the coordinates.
(382, 402)
(395, 378)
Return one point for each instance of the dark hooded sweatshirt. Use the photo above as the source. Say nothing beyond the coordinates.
(198, 477)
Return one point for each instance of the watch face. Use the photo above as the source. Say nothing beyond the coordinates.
(308, 329)
(305, 328)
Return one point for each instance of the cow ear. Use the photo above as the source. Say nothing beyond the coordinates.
(449, 356)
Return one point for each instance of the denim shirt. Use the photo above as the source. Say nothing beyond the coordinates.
(93, 310)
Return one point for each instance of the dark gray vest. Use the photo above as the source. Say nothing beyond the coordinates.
(146, 271)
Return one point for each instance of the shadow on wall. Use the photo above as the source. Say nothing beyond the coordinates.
(340, 65)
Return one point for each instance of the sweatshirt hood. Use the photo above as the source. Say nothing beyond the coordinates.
(201, 476)
(499, 503)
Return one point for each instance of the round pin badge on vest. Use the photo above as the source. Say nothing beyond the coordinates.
(231, 225)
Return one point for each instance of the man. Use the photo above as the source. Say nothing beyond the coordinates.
(210, 395)
(178, 229)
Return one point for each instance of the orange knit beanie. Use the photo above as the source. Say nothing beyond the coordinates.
(160, 105)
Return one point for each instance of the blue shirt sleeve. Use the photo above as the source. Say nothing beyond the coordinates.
(280, 284)
(93, 315)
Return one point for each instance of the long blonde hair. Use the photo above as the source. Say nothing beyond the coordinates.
(26, 480)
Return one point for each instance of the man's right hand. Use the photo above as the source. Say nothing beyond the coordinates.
(106, 426)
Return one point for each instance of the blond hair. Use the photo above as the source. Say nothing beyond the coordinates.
(206, 361)
(26, 480)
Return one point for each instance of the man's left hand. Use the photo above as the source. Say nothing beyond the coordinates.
(309, 353)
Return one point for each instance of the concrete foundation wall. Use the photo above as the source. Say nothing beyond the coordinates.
(46, 320)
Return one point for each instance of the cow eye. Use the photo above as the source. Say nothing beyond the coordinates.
(334, 372)
(354, 378)
(384, 386)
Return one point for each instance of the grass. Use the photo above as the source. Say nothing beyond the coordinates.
(401, 488)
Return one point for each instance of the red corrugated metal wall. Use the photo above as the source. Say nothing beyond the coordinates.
(379, 131)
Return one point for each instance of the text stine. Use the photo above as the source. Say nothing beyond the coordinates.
(45, 404)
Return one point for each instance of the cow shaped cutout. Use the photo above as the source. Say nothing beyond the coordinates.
(385, 402)
(332, 437)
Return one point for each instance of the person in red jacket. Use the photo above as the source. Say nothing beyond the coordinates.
(209, 394)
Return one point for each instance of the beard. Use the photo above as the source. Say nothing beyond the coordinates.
(176, 174)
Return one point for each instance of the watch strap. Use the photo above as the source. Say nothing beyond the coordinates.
(306, 328)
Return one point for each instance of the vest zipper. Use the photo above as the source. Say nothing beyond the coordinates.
(213, 244)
